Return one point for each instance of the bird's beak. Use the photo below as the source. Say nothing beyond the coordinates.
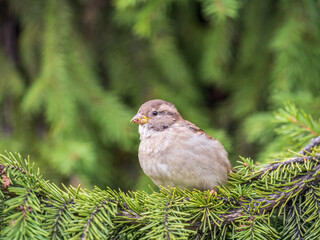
(140, 119)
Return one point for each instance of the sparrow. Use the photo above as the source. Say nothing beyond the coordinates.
(175, 152)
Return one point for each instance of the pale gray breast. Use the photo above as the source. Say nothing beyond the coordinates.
(182, 157)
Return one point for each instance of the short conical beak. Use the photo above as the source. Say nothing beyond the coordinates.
(139, 119)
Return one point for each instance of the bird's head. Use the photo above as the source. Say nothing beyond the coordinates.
(156, 114)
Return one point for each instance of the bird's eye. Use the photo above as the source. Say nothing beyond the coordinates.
(155, 113)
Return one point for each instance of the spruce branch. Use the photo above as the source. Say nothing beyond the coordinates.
(302, 184)
(126, 213)
(296, 124)
(301, 125)
(165, 220)
(170, 213)
(265, 204)
(274, 166)
(98, 209)
(59, 218)
(308, 149)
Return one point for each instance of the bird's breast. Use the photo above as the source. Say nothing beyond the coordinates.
(182, 158)
(153, 152)
(153, 143)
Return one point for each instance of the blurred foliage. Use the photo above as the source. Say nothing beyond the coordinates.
(73, 73)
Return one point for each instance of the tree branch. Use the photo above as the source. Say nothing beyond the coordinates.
(307, 149)
(300, 124)
(302, 184)
(274, 166)
(239, 208)
(299, 187)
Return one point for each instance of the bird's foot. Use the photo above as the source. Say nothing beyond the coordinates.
(213, 191)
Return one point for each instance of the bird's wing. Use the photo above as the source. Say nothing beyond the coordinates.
(196, 129)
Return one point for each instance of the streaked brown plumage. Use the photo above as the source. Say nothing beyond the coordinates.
(175, 152)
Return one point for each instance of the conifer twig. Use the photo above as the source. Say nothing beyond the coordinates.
(307, 149)
(239, 208)
(300, 186)
(300, 124)
(302, 183)
(274, 166)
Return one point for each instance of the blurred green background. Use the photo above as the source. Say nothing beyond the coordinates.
(73, 73)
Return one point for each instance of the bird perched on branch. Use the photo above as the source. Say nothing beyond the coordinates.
(175, 152)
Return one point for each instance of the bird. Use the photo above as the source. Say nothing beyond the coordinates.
(174, 152)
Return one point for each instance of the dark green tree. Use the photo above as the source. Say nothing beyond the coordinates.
(73, 73)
